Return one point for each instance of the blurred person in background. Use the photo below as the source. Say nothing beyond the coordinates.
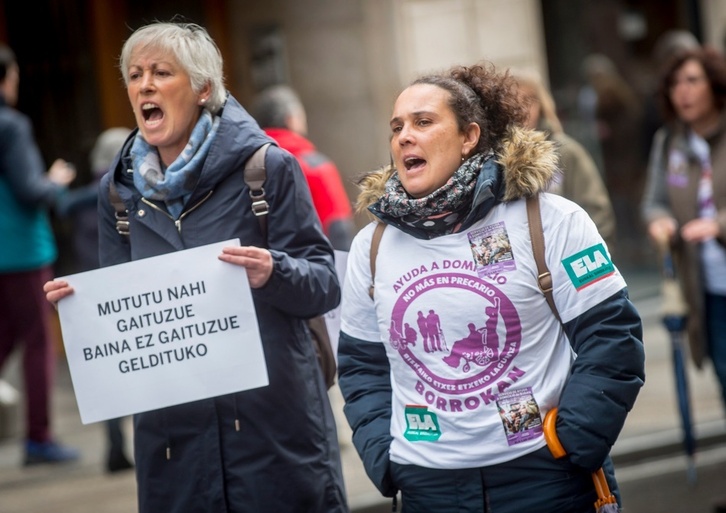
(27, 253)
(618, 113)
(81, 207)
(669, 44)
(684, 205)
(281, 114)
(579, 179)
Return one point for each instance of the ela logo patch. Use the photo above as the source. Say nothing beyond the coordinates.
(421, 424)
(588, 266)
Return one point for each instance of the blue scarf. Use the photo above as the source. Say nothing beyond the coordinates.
(173, 186)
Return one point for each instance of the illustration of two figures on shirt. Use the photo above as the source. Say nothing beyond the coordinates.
(480, 346)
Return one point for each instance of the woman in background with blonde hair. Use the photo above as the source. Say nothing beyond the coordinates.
(579, 180)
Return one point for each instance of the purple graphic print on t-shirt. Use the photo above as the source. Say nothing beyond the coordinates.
(472, 368)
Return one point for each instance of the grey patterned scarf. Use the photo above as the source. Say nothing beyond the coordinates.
(441, 211)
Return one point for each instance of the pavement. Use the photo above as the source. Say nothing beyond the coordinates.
(649, 460)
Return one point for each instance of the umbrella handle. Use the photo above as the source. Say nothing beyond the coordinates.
(550, 434)
(603, 490)
(604, 495)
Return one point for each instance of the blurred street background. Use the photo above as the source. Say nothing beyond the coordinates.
(348, 60)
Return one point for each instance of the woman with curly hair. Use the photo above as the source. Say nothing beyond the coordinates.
(431, 424)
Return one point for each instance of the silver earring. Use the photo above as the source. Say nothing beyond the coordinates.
(463, 158)
(203, 100)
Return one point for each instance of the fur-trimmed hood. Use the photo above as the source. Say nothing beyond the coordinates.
(527, 159)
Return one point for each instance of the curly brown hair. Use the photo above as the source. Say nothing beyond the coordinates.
(714, 65)
(481, 94)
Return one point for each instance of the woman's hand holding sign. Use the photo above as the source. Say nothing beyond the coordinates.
(257, 261)
(56, 290)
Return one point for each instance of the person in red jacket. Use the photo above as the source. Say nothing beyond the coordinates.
(280, 113)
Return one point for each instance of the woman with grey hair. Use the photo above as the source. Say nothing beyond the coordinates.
(180, 177)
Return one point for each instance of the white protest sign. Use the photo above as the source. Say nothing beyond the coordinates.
(160, 331)
(332, 318)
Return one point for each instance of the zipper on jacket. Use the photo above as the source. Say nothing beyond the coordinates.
(236, 415)
(165, 422)
(177, 222)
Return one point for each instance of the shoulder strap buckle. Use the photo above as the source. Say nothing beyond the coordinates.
(260, 207)
(123, 226)
(255, 176)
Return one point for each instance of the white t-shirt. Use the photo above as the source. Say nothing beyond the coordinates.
(477, 358)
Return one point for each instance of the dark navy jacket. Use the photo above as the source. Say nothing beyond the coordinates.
(285, 456)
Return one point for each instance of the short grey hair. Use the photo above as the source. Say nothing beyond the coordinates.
(192, 48)
(273, 105)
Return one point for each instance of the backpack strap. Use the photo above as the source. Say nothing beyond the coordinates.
(544, 277)
(122, 215)
(255, 176)
(375, 242)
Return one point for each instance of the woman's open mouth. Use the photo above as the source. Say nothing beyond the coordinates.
(413, 163)
(151, 113)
